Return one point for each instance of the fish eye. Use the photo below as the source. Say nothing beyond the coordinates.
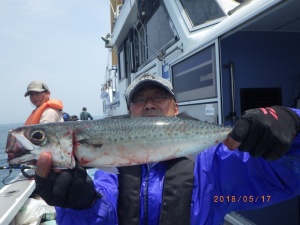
(37, 136)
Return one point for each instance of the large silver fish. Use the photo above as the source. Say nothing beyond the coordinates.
(113, 142)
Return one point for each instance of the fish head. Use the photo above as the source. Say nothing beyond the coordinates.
(25, 144)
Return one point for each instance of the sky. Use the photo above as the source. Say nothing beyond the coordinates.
(57, 42)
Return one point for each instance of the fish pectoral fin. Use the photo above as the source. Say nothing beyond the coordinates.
(185, 115)
(95, 142)
(192, 156)
(113, 170)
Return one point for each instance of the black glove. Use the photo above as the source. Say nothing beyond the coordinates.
(266, 132)
(68, 189)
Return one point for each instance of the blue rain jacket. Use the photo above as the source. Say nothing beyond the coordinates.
(224, 181)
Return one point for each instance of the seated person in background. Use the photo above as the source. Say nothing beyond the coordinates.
(84, 115)
(66, 116)
(74, 118)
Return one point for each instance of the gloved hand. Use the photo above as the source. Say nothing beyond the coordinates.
(266, 132)
(68, 189)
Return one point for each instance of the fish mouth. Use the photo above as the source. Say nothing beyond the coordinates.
(19, 150)
(19, 156)
(25, 159)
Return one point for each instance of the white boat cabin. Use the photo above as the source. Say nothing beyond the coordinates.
(222, 57)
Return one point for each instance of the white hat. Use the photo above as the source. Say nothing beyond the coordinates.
(36, 86)
(145, 80)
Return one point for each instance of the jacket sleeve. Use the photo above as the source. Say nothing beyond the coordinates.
(89, 115)
(228, 181)
(103, 212)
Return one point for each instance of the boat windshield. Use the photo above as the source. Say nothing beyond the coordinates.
(205, 11)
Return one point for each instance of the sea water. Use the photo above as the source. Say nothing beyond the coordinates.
(4, 129)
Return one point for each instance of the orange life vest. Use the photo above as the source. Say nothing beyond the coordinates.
(36, 114)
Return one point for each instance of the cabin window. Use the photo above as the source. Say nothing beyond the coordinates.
(159, 31)
(122, 64)
(142, 45)
(128, 57)
(153, 34)
(194, 78)
(202, 11)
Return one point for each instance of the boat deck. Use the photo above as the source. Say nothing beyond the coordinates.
(13, 197)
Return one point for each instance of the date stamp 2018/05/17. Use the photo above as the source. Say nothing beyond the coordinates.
(242, 198)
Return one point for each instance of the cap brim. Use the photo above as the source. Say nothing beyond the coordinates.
(37, 90)
(148, 83)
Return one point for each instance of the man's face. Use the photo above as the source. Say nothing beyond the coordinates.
(153, 101)
(38, 98)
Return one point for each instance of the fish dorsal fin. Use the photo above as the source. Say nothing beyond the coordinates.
(124, 116)
(185, 115)
(112, 170)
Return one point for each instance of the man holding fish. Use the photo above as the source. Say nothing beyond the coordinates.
(182, 190)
